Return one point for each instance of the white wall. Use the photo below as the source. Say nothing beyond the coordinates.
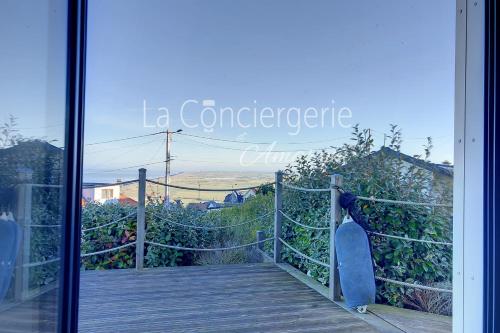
(96, 194)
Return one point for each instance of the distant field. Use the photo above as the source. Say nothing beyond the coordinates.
(201, 180)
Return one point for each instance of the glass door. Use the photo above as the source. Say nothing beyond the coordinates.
(39, 121)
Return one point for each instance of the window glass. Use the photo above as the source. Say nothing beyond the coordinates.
(32, 117)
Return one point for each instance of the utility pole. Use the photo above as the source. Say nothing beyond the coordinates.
(167, 166)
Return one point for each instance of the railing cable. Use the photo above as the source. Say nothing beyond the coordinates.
(212, 227)
(207, 249)
(303, 255)
(208, 189)
(402, 202)
(414, 285)
(302, 225)
(107, 250)
(42, 225)
(410, 239)
(97, 185)
(110, 223)
(40, 263)
(305, 189)
(46, 185)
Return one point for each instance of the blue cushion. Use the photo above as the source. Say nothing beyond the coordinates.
(10, 240)
(355, 265)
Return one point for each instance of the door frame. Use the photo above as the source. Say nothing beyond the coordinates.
(492, 155)
(75, 98)
(468, 187)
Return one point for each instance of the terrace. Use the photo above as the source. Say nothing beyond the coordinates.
(269, 295)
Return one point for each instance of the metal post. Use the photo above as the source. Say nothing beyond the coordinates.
(335, 217)
(23, 217)
(278, 205)
(141, 220)
(260, 238)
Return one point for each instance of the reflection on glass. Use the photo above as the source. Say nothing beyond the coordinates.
(32, 115)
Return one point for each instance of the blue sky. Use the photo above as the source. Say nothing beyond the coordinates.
(387, 61)
(33, 66)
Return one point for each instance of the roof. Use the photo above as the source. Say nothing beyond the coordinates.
(127, 201)
(198, 206)
(442, 169)
(96, 185)
(43, 158)
(233, 197)
(32, 144)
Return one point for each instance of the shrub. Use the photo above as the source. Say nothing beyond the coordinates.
(381, 176)
(121, 233)
(430, 301)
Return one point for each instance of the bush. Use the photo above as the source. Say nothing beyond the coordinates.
(45, 242)
(430, 301)
(382, 176)
(163, 227)
(121, 233)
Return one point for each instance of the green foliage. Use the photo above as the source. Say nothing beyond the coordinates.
(258, 209)
(121, 233)
(161, 228)
(45, 242)
(379, 175)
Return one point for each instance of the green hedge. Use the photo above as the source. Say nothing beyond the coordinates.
(381, 176)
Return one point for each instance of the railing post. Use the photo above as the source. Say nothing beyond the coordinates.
(335, 217)
(278, 205)
(23, 217)
(260, 238)
(141, 220)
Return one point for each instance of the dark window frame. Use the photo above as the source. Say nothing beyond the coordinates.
(492, 172)
(75, 98)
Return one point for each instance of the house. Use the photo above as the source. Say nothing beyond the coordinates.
(124, 200)
(233, 198)
(40, 160)
(249, 194)
(441, 174)
(100, 192)
(213, 205)
(204, 206)
(201, 206)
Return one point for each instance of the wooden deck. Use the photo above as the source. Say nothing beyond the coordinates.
(229, 298)
(225, 298)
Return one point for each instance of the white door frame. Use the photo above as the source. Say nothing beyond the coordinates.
(468, 237)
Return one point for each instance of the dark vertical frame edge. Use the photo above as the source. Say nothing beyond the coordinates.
(491, 190)
(75, 97)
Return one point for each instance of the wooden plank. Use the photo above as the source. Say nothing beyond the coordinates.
(413, 321)
(223, 298)
(258, 297)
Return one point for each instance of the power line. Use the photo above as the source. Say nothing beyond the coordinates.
(124, 139)
(157, 150)
(130, 167)
(263, 151)
(258, 143)
(123, 147)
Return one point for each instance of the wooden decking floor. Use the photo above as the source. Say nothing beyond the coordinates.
(226, 298)
(231, 298)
